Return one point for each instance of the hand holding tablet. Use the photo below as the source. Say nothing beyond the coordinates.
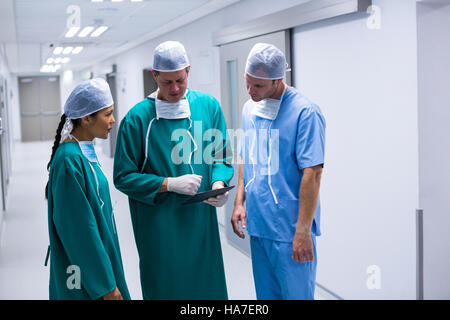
(207, 195)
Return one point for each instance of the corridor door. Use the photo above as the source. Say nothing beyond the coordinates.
(234, 94)
(40, 107)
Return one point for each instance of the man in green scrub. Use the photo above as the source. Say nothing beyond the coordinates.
(170, 146)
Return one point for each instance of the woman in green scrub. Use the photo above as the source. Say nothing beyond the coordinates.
(85, 260)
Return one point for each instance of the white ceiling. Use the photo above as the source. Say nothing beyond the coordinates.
(28, 28)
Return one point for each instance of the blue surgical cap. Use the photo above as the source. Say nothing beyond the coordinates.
(170, 56)
(265, 61)
(88, 97)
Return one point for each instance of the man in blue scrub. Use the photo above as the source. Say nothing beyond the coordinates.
(283, 154)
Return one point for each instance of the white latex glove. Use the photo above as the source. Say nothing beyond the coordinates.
(219, 200)
(187, 184)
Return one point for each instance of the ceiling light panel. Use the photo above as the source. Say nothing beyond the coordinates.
(99, 31)
(67, 50)
(58, 50)
(85, 32)
(77, 50)
(72, 32)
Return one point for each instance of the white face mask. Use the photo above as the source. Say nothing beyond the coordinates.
(88, 150)
(171, 110)
(268, 108)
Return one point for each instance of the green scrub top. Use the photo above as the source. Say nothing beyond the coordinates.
(179, 246)
(85, 260)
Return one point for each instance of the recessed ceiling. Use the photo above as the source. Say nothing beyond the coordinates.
(32, 28)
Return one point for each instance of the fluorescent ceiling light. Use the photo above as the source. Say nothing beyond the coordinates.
(67, 50)
(85, 32)
(65, 60)
(136, 0)
(77, 50)
(47, 68)
(116, 0)
(72, 32)
(57, 60)
(99, 31)
(97, 0)
(58, 50)
(50, 60)
(57, 67)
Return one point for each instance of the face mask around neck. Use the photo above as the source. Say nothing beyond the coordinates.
(268, 108)
(87, 148)
(171, 110)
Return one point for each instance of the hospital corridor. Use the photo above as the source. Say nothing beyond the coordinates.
(247, 150)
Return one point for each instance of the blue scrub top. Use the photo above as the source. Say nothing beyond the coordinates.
(272, 195)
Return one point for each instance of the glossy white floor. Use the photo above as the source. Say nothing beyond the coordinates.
(24, 237)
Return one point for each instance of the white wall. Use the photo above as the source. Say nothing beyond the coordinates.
(365, 81)
(3, 72)
(16, 130)
(13, 97)
(12, 111)
(434, 141)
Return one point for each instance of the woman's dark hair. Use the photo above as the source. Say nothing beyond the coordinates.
(76, 123)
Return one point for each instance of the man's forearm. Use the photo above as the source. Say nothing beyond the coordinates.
(240, 192)
(309, 196)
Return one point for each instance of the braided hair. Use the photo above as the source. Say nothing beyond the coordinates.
(76, 123)
(55, 146)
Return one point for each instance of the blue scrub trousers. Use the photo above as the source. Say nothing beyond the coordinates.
(277, 275)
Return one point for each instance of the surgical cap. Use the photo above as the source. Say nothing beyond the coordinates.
(266, 61)
(170, 56)
(88, 97)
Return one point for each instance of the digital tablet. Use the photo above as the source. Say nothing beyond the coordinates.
(206, 195)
